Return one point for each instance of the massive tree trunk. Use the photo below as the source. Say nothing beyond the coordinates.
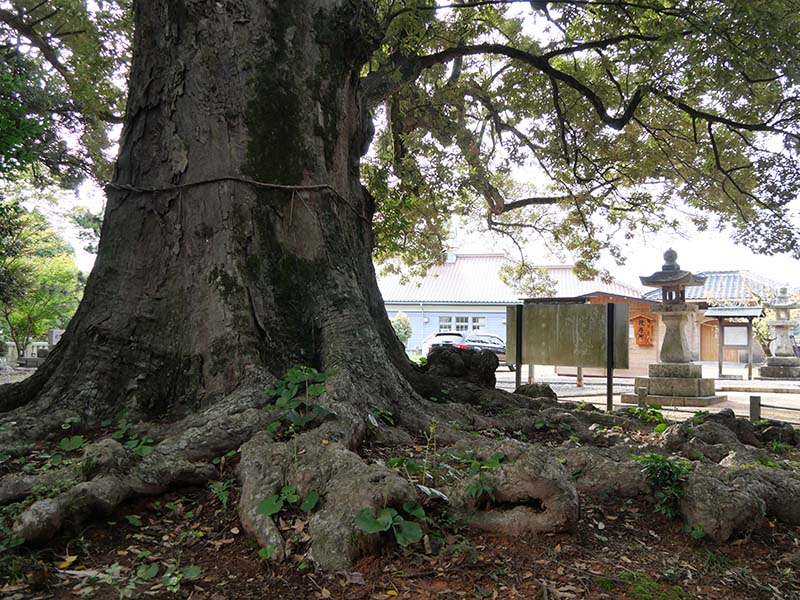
(237, 233)
(237, 236)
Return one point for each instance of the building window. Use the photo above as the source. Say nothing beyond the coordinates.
(462, 323)
(479, 323)
(445, 323)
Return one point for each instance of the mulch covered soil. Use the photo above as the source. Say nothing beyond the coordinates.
(189, 544)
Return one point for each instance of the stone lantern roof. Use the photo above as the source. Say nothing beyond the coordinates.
(783, 301)
(671, 274)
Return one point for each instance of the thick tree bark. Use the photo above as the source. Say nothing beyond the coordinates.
(208, 271)
(236, 244)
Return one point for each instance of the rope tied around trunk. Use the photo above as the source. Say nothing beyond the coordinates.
(258, 184)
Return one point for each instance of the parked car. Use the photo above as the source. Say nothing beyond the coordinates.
(475, 340)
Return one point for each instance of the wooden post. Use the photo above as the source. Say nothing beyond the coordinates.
(518, 347)
(579, 381)
(721, 333)
(755, 408)
(531, 374)
(609, 357)
(749, 348)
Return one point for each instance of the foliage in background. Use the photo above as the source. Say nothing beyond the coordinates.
(527, 280)
(580, 124)
(402, 327)
(63, 66)
(41, 284)
(89, 225)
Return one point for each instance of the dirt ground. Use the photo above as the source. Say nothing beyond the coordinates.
(189, 544)
(13, 374)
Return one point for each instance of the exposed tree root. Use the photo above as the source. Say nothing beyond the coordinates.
(531, 492)
(534, 488)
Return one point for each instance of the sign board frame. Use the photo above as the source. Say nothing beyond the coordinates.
(569, 334)
(739, 329)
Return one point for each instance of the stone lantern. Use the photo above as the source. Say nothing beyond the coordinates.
(674, 310)
(676, 380)
(783, 364)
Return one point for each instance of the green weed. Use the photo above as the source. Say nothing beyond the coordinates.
(667, 477)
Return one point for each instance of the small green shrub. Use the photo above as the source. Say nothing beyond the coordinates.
(479, 487)
(295, 392)
(220, 491)
(778, 447)
(697, 532)
(667, 477)
(648, 414)
(288, 495)
(406, 532)
(716, 562)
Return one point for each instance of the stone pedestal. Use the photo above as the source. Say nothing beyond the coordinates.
(675, 346)
(781, 367)
(784, 365)
(674, 384)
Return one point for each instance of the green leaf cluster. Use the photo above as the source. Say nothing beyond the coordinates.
(141, 446)
(648, 414)
(296, 392)
(405, 531)
(288, 495)
(667, 477)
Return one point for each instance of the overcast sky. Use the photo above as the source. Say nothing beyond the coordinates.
(707, 251)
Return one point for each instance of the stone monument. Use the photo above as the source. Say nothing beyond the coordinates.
(783, 364)
(676, 380)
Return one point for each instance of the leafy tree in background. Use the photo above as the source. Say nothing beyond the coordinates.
(24, 235)
(48, 301)
(61, 66)
(529, 281)
(402, 327)
(40, 285)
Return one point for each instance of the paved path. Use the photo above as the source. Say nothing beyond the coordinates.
(773, 393)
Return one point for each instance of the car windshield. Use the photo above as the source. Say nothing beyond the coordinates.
(447, 337)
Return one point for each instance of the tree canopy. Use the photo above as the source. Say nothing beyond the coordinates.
(580, 122)
(583, 122)
(63, 64)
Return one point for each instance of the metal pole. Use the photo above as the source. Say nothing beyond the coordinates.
(610, 357)
(755, 408)
(749, 348)
(518, 346)
(720, 332)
